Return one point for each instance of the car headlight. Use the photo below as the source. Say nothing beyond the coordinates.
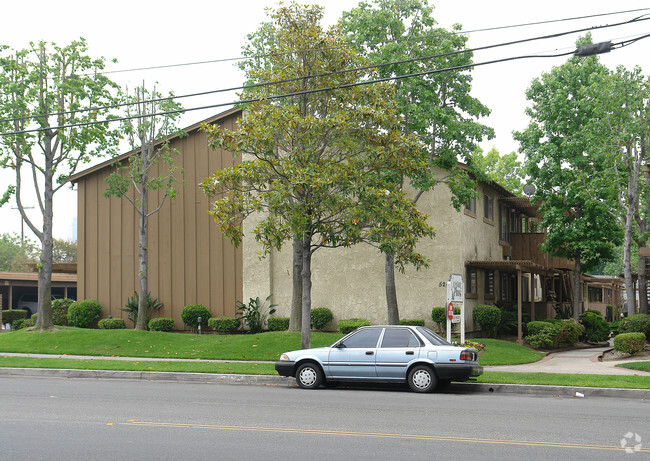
(284, 357)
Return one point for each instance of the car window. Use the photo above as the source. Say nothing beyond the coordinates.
(399, 337)
(363, 338)
(433, 338)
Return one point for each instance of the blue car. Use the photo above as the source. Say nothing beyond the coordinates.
(388, 354)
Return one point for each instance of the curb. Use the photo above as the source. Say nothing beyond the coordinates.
(269, 380)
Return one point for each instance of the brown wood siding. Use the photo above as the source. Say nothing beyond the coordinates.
(189, 260)
(526, 246)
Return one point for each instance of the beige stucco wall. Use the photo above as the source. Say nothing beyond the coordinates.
(350, 281)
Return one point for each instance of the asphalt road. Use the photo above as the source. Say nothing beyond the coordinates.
(82, 419)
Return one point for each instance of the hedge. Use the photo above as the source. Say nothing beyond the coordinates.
(11, 315)
(639, 323)
(489, 317)
(190, 315)
(320, 317)
(349, 325)
(630, 343)
(60, 308)
(414, 322)
(111, 324)
(84, 313)
(161, 324)
(224, 324)
(278, 323)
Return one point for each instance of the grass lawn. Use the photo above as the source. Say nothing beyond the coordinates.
(643, 366)
(498, 352)
(558, 379)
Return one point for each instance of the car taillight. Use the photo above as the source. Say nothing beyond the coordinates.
(466, 355)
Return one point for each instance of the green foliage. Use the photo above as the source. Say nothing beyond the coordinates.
(439, 315)
(543, 335)
(161, 324)
(225, 324)
(111, 324)
(21, 324)
(15, 255)
(639, 323)
(254, 314)
(190, 315)
(320, 317)
(278, 323)
(11, 315)
(131, 307)
(488, 316)
(349, 325)
(571, 331)
(596, 329)
(563, 310)
(414, 322)
(60, 308)
(505, 170)
(84, 313)
(630, 343)
(64, 251)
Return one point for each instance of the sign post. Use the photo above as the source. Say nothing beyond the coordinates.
(455, 298)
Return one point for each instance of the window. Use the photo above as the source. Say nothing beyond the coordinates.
(489, 207)
(503, 224)
(506, 287)
(595, 295)
(470, 207)
(489, 282)
(399, 337)
(363, 338)
(471, 281)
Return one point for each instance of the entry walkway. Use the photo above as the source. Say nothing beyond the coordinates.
(576, 361)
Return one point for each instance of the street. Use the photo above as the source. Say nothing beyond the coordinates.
(81, 419)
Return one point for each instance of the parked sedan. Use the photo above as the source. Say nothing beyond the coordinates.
(390, 353)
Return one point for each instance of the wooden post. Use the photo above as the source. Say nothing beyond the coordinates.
(520, 339)
(532, 297)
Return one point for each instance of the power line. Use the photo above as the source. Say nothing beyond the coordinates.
(328, 74)
(319, 90)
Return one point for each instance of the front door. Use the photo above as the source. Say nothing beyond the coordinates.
(355, 356)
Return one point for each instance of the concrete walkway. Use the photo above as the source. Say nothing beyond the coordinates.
(576, 361)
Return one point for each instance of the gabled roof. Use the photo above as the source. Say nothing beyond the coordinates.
(215, 118)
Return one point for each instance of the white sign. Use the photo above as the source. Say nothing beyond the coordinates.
(455, 289)
(456, 319)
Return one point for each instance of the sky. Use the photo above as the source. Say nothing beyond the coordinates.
(148, 33)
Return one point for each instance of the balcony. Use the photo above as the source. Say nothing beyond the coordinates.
(526, 246)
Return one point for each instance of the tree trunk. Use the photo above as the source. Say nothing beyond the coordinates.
(576, 289)
(305, 336)
(45, 321)
(643, 287)
(627, 261)
(391, 291)
(295, 321)
(142, 321)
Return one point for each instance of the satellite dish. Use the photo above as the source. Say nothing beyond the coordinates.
(529, 189)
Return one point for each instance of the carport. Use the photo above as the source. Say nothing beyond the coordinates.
(15, 284)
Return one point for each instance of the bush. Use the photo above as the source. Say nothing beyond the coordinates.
(11, 315)
(190, 315)
(111, 324)
(60, 310)
(630, 343)
(489, 317)
(320, 317)
(131, 306)
(161, 324)
(571, 331)
(349, 325)
(83, 313)
(543, 335)
(23, 323)
(596, 329)
(414, 322)
(254, 313)
(639, 323)
(279, 323)
(224, 324)
(439, 315)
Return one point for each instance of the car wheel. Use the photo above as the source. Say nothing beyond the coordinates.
(309, 376)
(422, 379)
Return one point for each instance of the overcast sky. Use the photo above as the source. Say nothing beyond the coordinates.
(147, 33)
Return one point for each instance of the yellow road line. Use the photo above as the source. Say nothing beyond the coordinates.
(381, 435)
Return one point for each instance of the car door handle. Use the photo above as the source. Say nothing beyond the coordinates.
(370, 353)
(410, 353)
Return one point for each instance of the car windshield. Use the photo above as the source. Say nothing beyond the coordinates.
(433, 338)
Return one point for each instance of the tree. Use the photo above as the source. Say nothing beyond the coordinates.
(437, 108)
(14, 254)
(558, 147)
(320, 165)
(150, 121)
(59, 91)
(64, 251)
(505, 170)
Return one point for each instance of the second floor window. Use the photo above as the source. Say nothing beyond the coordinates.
(470, 206)
(489, 207)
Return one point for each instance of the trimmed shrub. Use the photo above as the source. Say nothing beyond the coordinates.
(225, 324)
(349, 325)
(439, 315)
(161, 324)
(279, 323)
(60, 310)
(111, 324)
(11, 315)
(84, 313)
(596, 329)
(630, 343)
(489, 317)
(571, 331)
(320, 317)
(23, 323)
(414, 322)
(543, 335)
(639, 323)
(190, 315)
